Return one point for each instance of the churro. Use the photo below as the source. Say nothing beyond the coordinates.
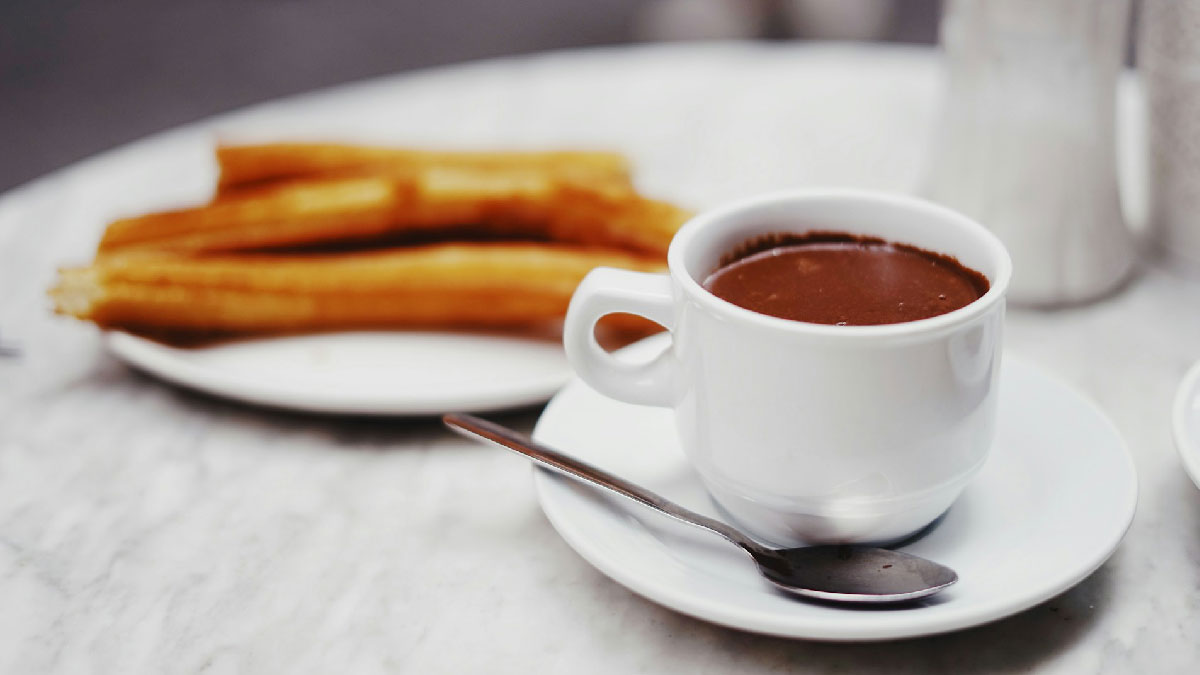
(244, 165)
(309, 237)
(530, 203)
(295, 213)
(445, 285)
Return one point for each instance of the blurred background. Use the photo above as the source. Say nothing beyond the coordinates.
(81, 76)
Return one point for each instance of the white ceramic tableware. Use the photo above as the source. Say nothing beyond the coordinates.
(361, 372)
(808, 433)
(1028, 527)
(1186, 422)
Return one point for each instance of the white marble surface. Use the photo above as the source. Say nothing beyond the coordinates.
(147, 529)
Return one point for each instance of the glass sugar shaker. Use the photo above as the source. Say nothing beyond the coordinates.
(1026, 143)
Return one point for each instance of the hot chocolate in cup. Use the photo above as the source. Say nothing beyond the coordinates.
(805, 432)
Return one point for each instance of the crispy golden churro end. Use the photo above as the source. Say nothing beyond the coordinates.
(77, 291)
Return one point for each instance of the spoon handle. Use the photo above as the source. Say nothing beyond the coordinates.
(469, 425)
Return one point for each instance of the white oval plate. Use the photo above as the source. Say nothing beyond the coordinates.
(1052, 503)
(1186, 422)
(362, 373)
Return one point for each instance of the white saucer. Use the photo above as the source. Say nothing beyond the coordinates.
(1186, 422)
(1051, 505)
(362, 373)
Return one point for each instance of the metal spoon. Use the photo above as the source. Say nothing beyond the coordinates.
(852, 574)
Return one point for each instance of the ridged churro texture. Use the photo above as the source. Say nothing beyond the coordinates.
(518, 202)
(449, 285)
(247, 165)
(307, 237)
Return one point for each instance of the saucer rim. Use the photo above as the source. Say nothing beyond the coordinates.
(853, 628)
(175, 366)
(1185, 445)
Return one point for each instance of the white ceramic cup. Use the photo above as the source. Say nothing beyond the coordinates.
(802, 432)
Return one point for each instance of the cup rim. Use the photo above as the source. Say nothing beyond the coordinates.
(994, 295)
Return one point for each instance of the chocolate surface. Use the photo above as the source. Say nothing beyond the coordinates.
(842, 279)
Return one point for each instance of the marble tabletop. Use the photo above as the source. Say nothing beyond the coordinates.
(144, 528)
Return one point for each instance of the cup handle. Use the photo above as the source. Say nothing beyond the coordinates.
(607, 291)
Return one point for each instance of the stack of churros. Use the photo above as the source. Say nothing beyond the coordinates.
(304, 237)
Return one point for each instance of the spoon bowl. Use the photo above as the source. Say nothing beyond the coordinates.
(852, 573)
(845, 574)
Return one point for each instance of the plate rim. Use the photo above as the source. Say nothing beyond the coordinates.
(156, 360)
(1184, 444)
(750, 620)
